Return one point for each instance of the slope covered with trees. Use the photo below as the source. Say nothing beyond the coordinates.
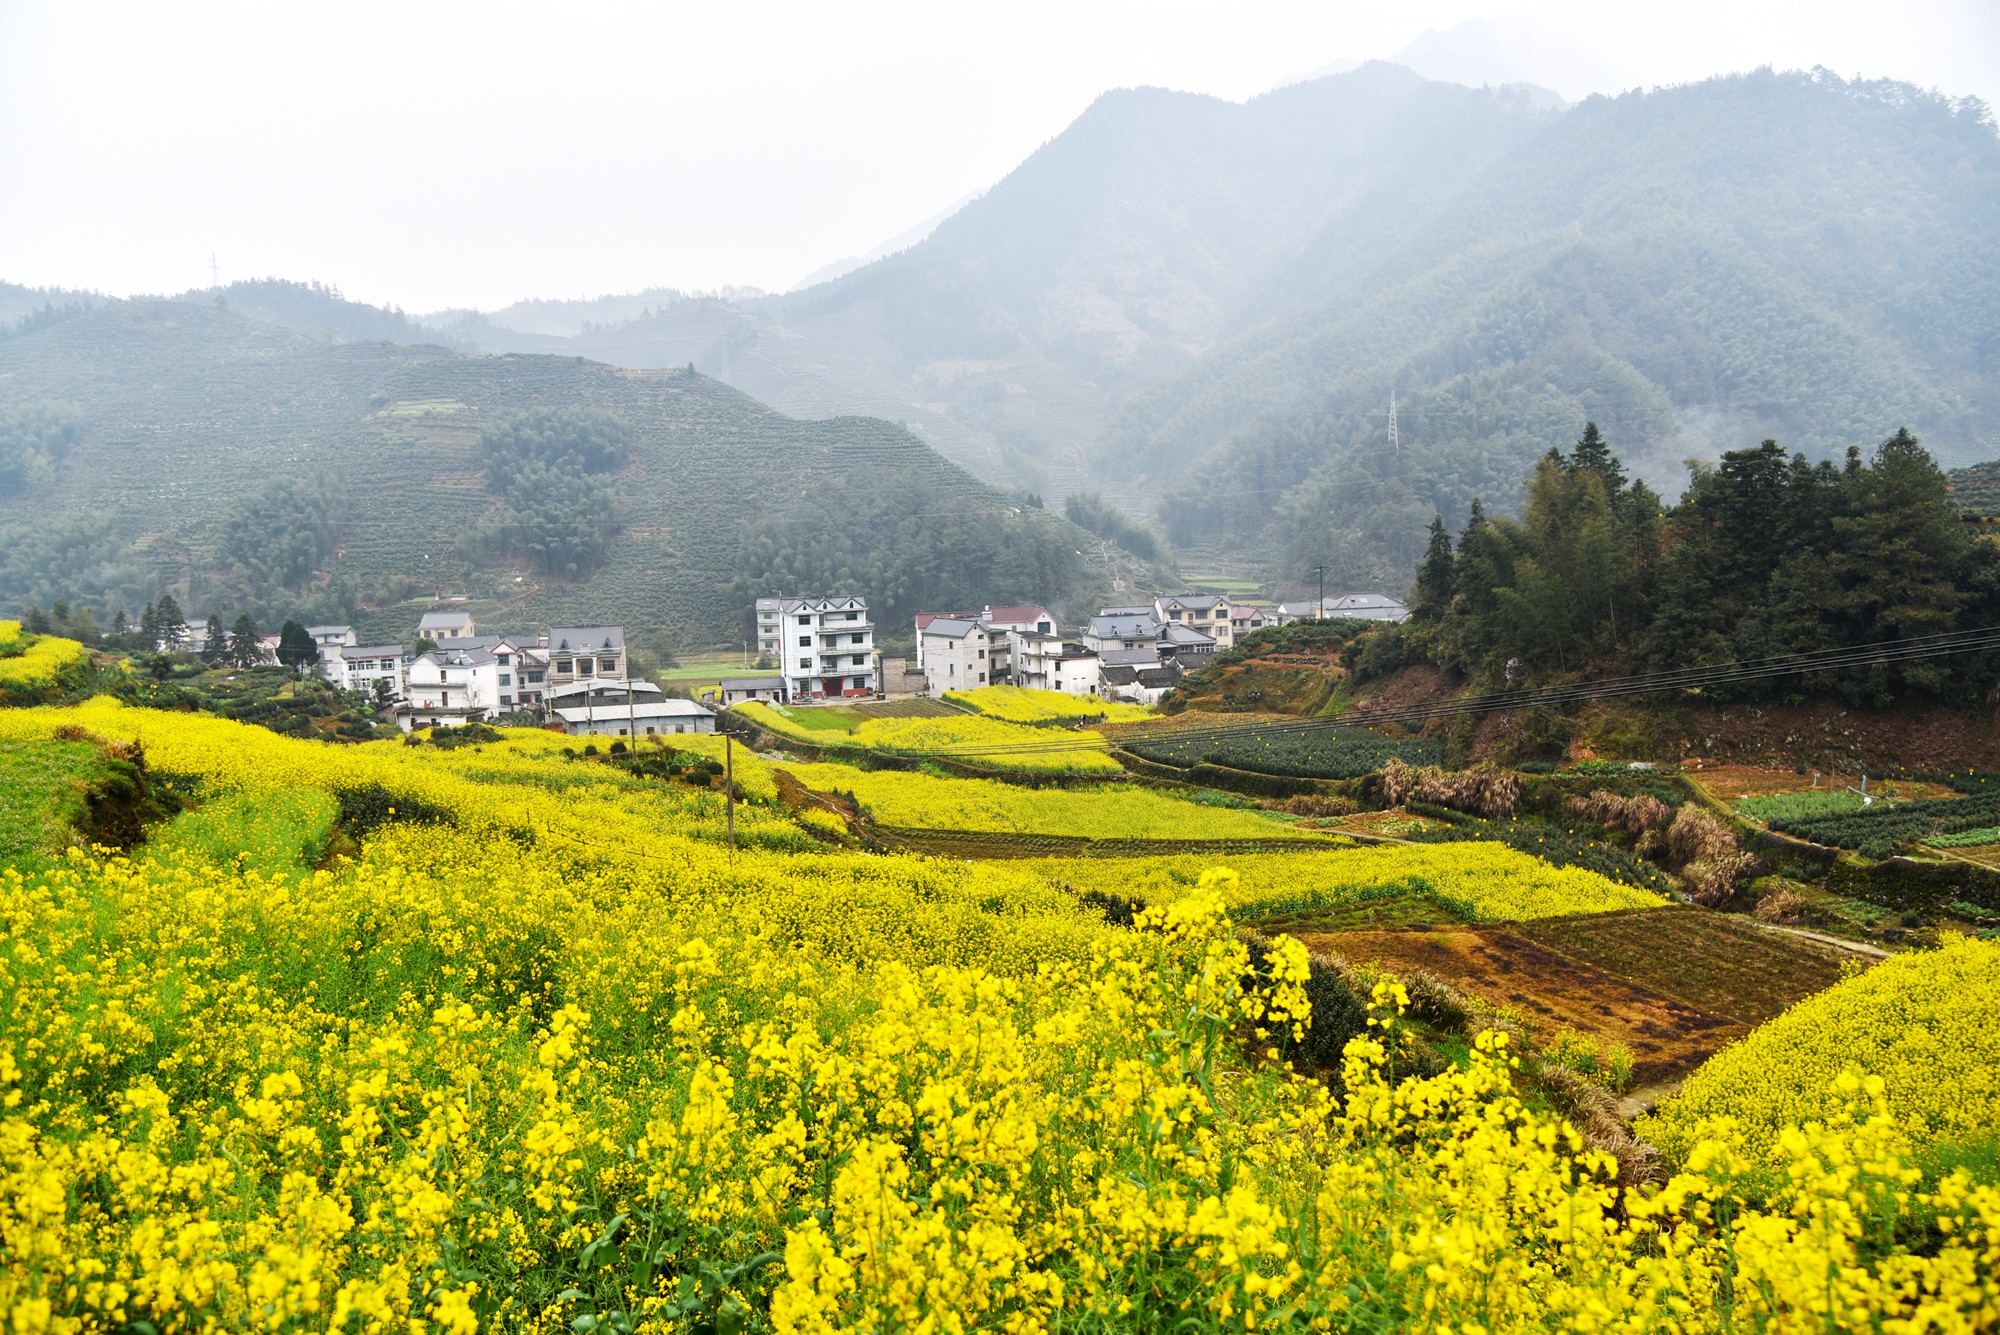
(1764, 556)
(244, 467)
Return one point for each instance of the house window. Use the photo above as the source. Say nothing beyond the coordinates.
(805, 621)
(607, 665)
(506, 679)
(856, 639)
(982, 653)
(854, 616)
(982, 676)
(861, 683)
(650, 730)
(583, 667)
(506, 699)
(805, 641)
(534, 677)
(805, 663)
(563, 665)
(859, 660)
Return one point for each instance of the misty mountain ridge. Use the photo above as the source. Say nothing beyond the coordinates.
(1201, 307)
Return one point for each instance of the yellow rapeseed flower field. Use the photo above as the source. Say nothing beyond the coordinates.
(39, 661)
(924, 801)
(1022, 704)
(537, 1054)
(1483, 881)
(985, 742)
(1927, 1023)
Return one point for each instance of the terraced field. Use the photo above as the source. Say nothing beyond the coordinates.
(1675, 985)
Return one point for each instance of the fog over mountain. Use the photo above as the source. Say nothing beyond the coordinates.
(1201, 308)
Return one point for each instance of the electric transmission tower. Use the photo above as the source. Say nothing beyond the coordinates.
(1395, 432)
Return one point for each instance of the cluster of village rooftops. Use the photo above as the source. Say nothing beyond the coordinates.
(822, 648)
(578, 678)
(575, 678)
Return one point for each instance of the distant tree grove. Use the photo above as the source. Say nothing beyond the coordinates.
(1765, 555)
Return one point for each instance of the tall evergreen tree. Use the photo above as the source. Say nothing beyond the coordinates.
(1430, 595)
(149, 628)
(214, 648)
(296, 649)
(170, 622)
(1593, 452)
(245, 647)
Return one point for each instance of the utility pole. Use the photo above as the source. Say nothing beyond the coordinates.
(729, 788)
(1319, 608)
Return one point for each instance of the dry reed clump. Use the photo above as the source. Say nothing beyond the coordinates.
(1485, 791)
(1703, 850)
(1784, 907)
(1636, 815)
(1311, 804)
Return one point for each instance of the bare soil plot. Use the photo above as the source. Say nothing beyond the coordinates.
(1721, 963)
(1728, 783)
(1393, 824)
(1668, 1036)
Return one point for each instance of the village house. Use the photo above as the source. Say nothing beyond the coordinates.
(435, 626)
(521, 672)
(584, 653)
(647, 718)
(1122, 628)
(450, 687)
(372, 669)
(957, 655)
(824, 646)
(331, 639)
(1203, 612)
(740, 690)
(1046, 663)
(1243, 619)
(1350, 606)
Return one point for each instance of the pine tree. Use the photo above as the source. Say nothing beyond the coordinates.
(245, 646)
(149, 628)
(121, 627)
(1594, 454)
(214, 649)
(296, 649)
(1430, 596)
(169, 621)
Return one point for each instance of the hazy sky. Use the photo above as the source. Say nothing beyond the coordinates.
(434, 154)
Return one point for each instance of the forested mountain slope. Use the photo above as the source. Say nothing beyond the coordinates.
(1696, 268)
(148, 446)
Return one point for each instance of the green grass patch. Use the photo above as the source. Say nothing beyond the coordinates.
(1800, 806)
(273, 833)
(41, 797)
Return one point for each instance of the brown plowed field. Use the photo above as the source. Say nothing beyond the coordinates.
(1667, 1036)
(1674, 985)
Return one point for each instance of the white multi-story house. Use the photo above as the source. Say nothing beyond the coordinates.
(958, 655)
(331, 639)
(372, 669)
(1204, 612)
(1045, 663)
(521, 667)
(585, 653)
(447, 687)
(825, 647)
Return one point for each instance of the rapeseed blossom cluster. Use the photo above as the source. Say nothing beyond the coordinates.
(515, 1067)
